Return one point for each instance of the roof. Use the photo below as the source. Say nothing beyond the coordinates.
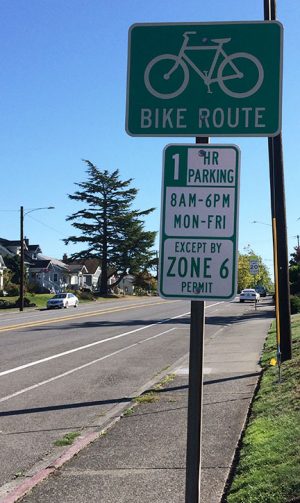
(40, 264)
(76, 268)
(17, 242)
(2, 264)
(54, 261)
(91, 264)
(34, 248)
(5, 252)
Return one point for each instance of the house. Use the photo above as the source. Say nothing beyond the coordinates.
(31, 251)
(2, 268)
(92, 274)
(77, 276)
(10, 248)
(52, 274)
(4, 251)
(127, 284)
(56, 275)
(49, 274)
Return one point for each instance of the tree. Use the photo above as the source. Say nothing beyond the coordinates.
(294, 271)
(13, 263)
(111, 229)
(295, 260)
(145, 281)
(247, 280)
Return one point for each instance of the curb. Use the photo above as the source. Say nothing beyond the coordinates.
(43, 473)
(15, 492)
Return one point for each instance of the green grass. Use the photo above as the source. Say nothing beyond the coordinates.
(40, 299)
(67, 439)
(166, 380)
(269, 466)
(148, 397)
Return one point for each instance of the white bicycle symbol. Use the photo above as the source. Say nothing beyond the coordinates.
(171, 63)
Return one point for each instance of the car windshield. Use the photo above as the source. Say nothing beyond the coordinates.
(60, 296)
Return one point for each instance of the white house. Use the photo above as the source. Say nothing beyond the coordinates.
(77, 276)
(49, 273)
(93, 273)
(2, 268)
(127, 284)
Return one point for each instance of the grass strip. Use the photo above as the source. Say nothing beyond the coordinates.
(268, 470)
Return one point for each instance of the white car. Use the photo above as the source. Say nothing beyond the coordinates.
(61, 300)
(249, 294)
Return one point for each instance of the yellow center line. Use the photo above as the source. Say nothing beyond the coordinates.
(9, 328)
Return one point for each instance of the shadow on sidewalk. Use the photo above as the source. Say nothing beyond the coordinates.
(96, 403)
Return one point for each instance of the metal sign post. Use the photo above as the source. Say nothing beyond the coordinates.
(198, 256)
(195, 397)
(195, 404)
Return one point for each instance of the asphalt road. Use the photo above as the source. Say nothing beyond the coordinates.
(65, 371)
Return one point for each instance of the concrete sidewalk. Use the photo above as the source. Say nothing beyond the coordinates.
(141, 458)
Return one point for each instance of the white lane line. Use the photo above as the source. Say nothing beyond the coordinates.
(86, 346)
(47, 381)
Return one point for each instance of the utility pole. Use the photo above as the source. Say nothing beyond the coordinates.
(21, 299)
(279, 223)
(22, 267)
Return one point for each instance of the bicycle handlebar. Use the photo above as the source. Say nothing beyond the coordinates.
(187, 33)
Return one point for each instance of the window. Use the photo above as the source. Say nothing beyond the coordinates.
(55, 277)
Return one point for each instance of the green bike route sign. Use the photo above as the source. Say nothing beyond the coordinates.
(204, 79)
(198, 236)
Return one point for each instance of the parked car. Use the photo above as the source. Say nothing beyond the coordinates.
(62, 300)
(249, 294)
(261, 290)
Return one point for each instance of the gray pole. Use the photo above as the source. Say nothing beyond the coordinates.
(194, 428)
(195, 400)
(22, 258)
(279, 216)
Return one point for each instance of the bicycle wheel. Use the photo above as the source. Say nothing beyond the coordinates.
(169, 76)
(229, 82)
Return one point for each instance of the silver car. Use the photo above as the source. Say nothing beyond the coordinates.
(62, 300)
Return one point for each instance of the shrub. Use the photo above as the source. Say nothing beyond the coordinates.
(4, 304)
(34, 287)
(85, 295)
(27, 303)
(139, 291)
(295, 304)
(12, 289)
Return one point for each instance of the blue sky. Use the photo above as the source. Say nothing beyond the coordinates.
(62, 99)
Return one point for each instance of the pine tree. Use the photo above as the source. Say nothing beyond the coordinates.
(112, 231)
